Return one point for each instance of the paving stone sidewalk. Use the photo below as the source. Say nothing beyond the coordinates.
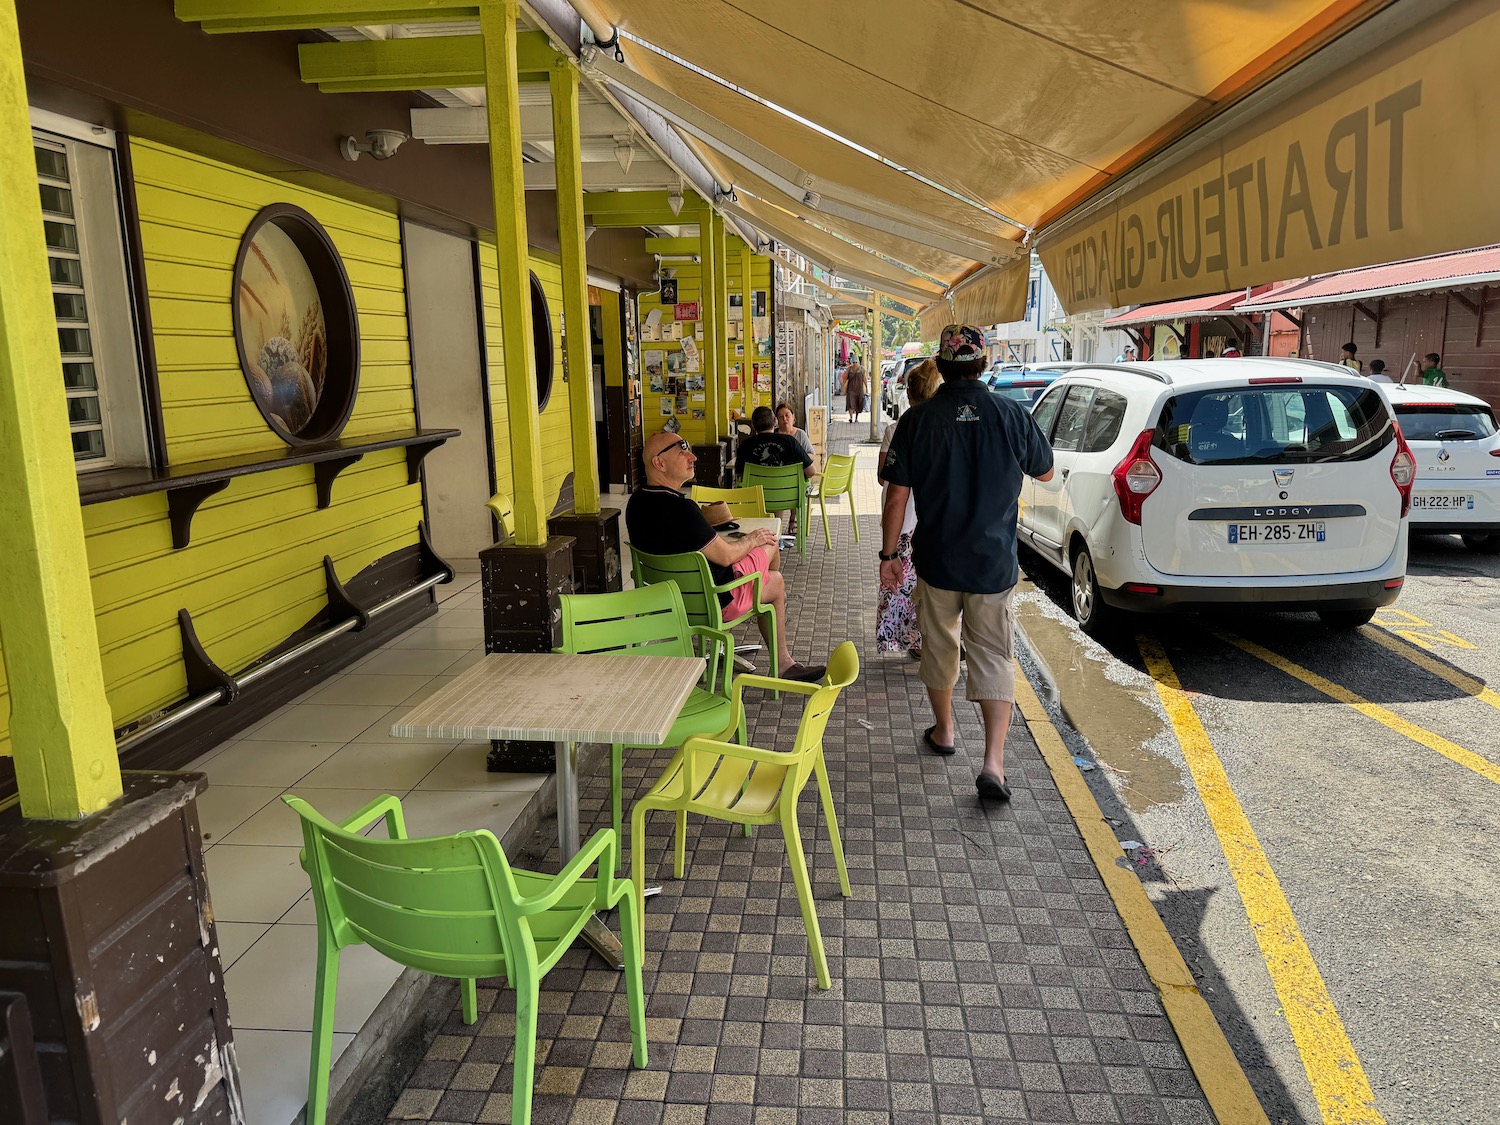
(980, 971)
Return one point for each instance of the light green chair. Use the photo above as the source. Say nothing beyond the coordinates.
(651, 621)
(747, 502)
(785, 488)
(744, 785)
(837, 480)
(454, 907)
(700, 597)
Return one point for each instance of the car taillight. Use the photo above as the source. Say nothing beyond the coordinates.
(1495, 453)
(1403, 470)
(1136, 478)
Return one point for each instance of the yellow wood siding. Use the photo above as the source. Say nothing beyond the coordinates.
(253, 573)
(557, 448)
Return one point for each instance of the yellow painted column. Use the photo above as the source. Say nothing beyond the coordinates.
(579, 340)
(712, 354)
(497, 24)
(62, 734)
(747, 323)
(721, 311)
(872, 370)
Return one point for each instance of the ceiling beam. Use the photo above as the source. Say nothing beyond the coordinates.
(300, 15)
(424, 63)
(542, 176)
(466, 125)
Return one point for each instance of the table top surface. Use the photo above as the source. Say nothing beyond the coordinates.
(555, 697)
(747, 524)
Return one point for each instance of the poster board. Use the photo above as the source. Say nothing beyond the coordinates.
(817, 433)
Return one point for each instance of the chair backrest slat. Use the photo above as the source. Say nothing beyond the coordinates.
(690, 574)
(748, 501)
(650, 619)
(783, 485)
(838, 474)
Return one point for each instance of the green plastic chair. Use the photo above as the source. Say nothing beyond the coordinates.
(837, 480)
(744, 785)
(651, 621)
(454, 907)
(785, 487)
(700, 597)
(747, 502)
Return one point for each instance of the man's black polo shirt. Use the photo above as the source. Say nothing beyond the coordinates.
(963, 453)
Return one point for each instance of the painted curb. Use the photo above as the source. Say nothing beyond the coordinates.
(1219, 1073)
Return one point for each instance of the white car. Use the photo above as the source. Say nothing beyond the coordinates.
(1457, 446)
(1259, 483)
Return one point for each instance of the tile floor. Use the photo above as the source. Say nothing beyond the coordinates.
(332, 747)
(980, 971)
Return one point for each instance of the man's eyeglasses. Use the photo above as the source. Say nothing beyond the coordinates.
(680, 443)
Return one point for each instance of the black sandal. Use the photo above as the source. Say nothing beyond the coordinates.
(934, 746)
(991, 787)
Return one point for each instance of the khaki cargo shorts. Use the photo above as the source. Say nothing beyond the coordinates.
(987, 623)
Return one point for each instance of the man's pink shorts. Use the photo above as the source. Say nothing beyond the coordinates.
(742, 597)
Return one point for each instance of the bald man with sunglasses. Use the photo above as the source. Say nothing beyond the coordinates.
(662, 521)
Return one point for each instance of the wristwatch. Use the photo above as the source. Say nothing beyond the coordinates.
(889, 558)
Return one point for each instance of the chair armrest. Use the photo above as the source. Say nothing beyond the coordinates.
(386, 806)
(723, 651)
(775, 683)
(698, 743)
(603, 848)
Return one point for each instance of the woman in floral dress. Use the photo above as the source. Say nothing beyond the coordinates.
(896, 615)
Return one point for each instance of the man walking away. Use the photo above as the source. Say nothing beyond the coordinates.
(962, 454)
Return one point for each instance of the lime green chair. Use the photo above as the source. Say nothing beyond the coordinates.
(837, 480)
(454, 907)
(651, 621)
(700, 597)
(747, 502)
(785, 487)
(744, 785)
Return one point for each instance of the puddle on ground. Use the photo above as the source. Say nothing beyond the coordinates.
(1116, 720)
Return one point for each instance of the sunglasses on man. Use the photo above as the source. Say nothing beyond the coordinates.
(680, 443)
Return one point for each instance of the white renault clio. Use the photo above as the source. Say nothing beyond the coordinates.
(1260, 483)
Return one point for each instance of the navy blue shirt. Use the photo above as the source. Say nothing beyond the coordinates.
(963, 453)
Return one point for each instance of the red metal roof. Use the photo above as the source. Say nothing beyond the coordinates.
(1479, 266)
(1189, 308)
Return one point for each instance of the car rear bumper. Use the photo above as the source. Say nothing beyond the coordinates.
(1453, 527)
(1368, 594)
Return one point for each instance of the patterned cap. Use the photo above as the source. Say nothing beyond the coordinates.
(961, 341)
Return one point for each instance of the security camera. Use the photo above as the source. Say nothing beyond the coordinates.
(380, 143)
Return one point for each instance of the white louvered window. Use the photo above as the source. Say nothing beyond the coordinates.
(91, 299)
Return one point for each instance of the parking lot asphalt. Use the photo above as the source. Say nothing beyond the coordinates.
(1316, 814)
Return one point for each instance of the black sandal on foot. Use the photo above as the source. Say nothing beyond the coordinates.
(934, 746)
(991, 787)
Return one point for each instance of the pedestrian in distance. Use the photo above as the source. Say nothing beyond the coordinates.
(1377, 372)
(854, 391)
(1348, 357)
(1432, 370)
(962, 454)
(1127, 356)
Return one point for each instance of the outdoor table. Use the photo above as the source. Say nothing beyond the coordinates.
(566, 699)
(747, 524)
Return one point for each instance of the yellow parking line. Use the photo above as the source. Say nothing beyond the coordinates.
(1338, 1080)
(1219, 1073)
(1469, 685)
(1467, 758)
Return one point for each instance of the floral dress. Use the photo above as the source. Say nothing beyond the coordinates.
(896, 612)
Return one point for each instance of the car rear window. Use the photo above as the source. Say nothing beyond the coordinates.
(1291, 424)
(1445, 421)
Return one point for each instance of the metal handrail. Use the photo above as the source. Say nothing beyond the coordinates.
(184, 711)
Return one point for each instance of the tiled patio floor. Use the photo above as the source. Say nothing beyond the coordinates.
(980, 970)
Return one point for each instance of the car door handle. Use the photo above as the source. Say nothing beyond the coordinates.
(1065, 473)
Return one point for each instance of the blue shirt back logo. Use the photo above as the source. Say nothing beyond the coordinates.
(967, 413)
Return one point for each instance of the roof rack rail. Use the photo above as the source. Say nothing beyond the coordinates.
(1159, 376)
